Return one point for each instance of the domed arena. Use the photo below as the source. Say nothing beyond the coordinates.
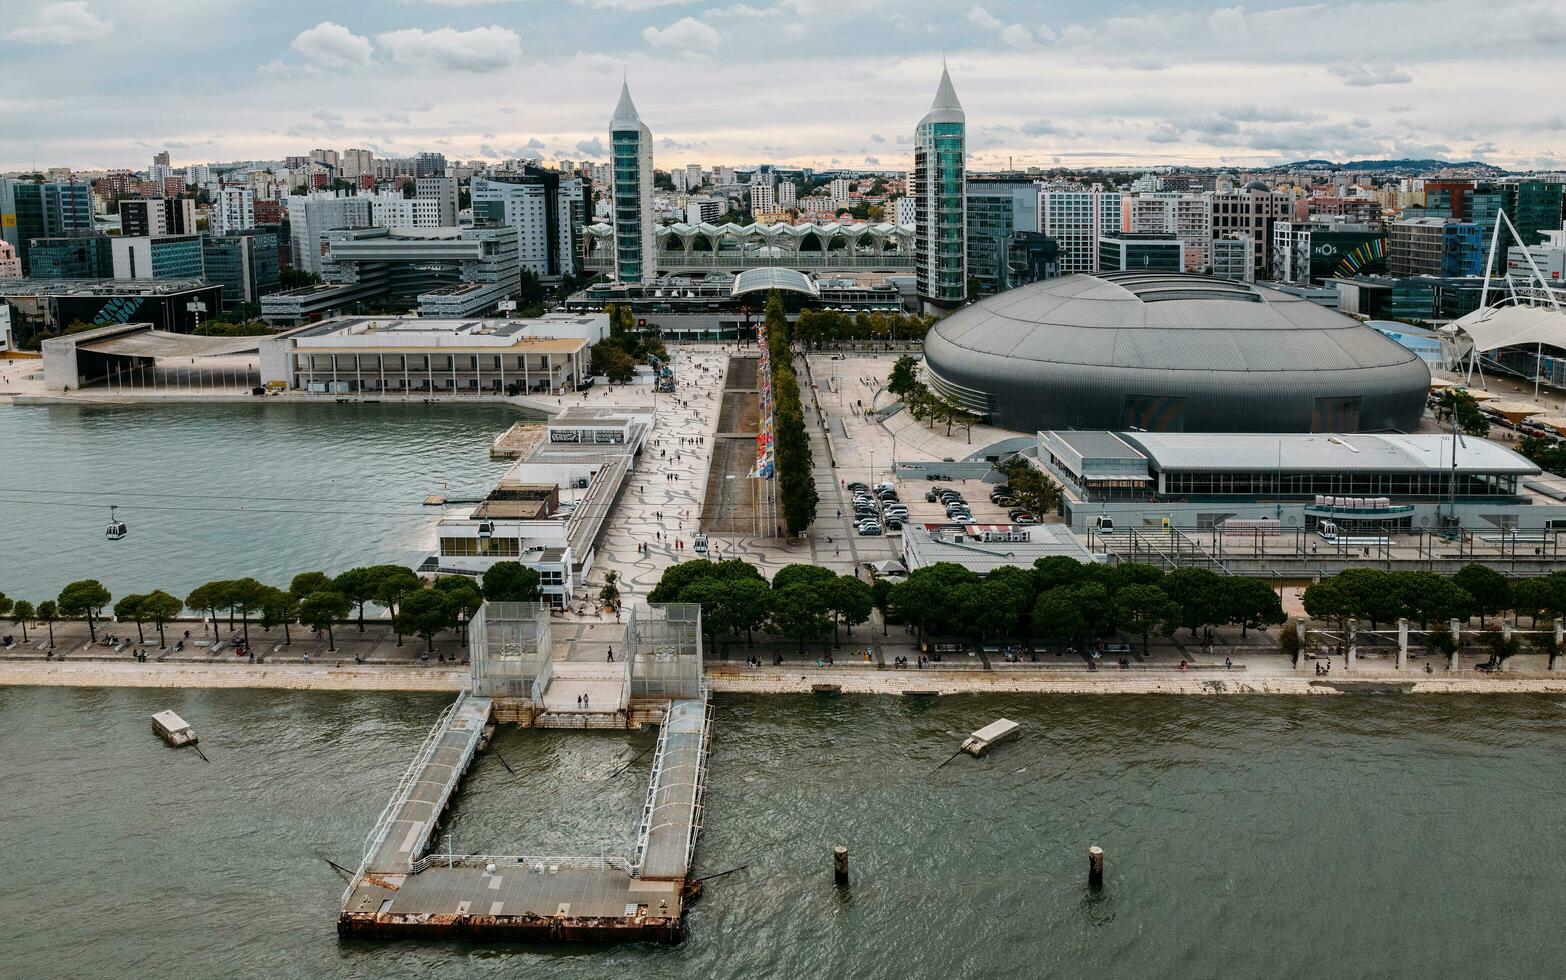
(1169, 352)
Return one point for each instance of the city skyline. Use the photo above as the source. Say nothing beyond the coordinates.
(1073, 85)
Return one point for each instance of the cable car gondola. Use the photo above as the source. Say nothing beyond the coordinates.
(486, 529)
(116, 529)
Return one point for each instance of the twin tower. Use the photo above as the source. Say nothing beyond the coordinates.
(938, 186)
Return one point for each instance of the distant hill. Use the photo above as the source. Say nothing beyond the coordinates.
(1382, 165)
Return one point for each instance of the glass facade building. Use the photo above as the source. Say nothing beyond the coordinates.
(245, 265)
(71, 258)
(634, 223)
(940, 200)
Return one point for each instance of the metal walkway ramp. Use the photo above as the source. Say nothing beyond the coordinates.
(671, 818)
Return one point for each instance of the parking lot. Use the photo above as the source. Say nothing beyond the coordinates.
(913, 493)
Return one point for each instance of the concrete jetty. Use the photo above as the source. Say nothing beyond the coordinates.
(991, 735)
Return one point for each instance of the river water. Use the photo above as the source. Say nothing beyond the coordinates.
(226, 491)
(1246, 836)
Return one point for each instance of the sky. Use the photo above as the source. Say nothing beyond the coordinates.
(826, 83)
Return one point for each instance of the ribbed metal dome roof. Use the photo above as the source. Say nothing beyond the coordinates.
(1214, 343)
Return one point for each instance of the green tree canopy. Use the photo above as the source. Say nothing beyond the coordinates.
(158, 608)
(85, 598)
(321, 610)
(511, 581)
(425, 613)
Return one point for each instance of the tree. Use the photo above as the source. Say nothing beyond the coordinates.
(357, 585)
(1031, 487)
(211, 597)
(1489, 588)
(611, 360)
(389, 583)
(21, 612)
(425, 613)
(464, 595)
(1200, 593)
(1534, 596)
(5, 604)
(1056, 615)
(850, 600)
(904, 376)
(158, 608)
(128, 609)
(84, 598)
(48, 612)
(1324, 600)
(1251, 602)
(1470, 418)
(799, 613)
(279, 608)
(1006, 596)
(1289, 641)
(307, 582)
(319, 610)
(246, 598)
(1144, 608)
(610, 593)
(1057, 570)
(881, 595)
(511, 581)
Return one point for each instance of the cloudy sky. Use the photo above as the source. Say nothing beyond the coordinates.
(824, 82)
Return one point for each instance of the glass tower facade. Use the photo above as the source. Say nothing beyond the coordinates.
(940, 200)
(635, 250)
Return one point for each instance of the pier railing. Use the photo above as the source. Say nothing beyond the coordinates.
(658, 784)
(377, 835)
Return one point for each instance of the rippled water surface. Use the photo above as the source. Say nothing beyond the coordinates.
(1247, 836)
(224, 491)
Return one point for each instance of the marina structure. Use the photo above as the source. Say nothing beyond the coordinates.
(520, 674)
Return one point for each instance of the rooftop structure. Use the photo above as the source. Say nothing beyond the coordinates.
(1171, 352)
(700, 247)
(984, 548)
(57, 303)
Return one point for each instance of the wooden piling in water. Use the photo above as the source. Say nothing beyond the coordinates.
(840, 865)
(1402, 644)
(1095, 867)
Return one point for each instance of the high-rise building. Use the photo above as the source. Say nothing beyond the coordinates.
(161, 158)
(312, 215)
(326, 158)
(762, 199)
(635, 245)
(546, 208)
(56, 209)
(10, 263)
(429, 164)
(1078, 220)
(995, 211)
(233, 211)
(1234, 257)
(693, 176)
(1435, 247)
(157, 217)
(939, 186)
(357, 163)
(703, 209)
(87, 257)
(1251, 212)
(840, 189)
(788, 193)
(244, 264)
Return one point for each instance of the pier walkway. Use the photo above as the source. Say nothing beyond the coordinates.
(402, 890)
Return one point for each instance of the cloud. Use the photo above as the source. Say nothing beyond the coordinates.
(1043, 127)
(62, 23)
(873, 161)
(332, 46)
(393, 117)
(1362, 75)
(877, 138)
(328, 118)
(685, 34)
(591, 148)
(480, 50)
(1012, 35)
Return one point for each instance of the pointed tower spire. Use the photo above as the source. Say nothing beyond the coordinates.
(945, 94)
(625, 114)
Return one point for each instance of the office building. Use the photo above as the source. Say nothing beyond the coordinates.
(996, 211)
(1252, 212)
(89, 257)
(1549, 259)
(703, 210)
(54, 304)
(1130, 252)
(1171, 352)
(448, 272)
(1307, 252)
(54, 209)
(169, 257)
(234, 211)
(1435, 247)
(1234, 257)
(244, 263)
(1077, 220)
(939, 191)
(312, 215)
(636, 254)
(546, 208)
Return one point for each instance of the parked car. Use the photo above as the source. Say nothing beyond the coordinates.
(1016, 511)
(869, 530)
(857, 486)
(886, 486)
(1025, 519)
(894, 524)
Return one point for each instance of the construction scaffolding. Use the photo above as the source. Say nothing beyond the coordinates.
(509, 648)
(663, 645)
